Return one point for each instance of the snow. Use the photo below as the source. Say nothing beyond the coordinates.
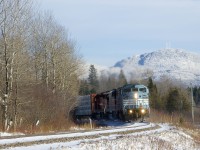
(5, 134)
(165, 137)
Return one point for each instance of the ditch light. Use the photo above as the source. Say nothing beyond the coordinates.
(130, 111)
(143, 111)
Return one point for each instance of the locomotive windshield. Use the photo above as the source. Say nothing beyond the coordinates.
(127, 90)
(144, 90)
(134, 89)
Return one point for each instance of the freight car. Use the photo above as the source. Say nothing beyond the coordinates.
(129, 102)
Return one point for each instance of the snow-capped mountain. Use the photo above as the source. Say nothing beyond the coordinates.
(176, 64)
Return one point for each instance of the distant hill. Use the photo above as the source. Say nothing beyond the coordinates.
(176, 64)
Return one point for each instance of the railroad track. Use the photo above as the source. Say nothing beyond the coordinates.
(26, 141)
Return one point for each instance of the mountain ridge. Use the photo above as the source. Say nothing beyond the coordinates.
(177, 64)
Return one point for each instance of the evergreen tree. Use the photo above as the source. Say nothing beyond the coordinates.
(122, 79)
(172, 100)
(84, 88)
(152, 93)
(112, 82)
(150, 84)
(196, 94)
(177, 101)
(93, 80)
(154, 98)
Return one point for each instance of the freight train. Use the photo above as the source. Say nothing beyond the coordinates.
(129, 102)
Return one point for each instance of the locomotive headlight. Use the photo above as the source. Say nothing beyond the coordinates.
(135, 95)
(130, 111)
(143, 111)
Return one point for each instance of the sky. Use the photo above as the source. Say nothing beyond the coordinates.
(107, 31)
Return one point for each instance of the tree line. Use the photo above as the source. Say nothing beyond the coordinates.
(40, 67)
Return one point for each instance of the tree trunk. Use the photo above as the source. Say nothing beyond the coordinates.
(6, 94)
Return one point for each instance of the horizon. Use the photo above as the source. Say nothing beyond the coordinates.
(108, 31)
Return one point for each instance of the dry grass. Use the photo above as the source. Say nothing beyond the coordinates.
(87, 126)
(59, 125)
(182, 121)
(55, 126)
(163, 117)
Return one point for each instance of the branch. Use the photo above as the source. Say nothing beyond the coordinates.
(25, 103)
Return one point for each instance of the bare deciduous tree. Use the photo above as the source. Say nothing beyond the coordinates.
(13, 14)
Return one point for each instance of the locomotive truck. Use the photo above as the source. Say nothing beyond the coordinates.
(129, 102)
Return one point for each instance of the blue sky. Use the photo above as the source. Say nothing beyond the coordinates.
(107, 31)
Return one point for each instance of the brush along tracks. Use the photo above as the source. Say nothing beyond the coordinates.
(77, 136)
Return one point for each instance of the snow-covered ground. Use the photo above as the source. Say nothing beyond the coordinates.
(2, 134)
(125, 136)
